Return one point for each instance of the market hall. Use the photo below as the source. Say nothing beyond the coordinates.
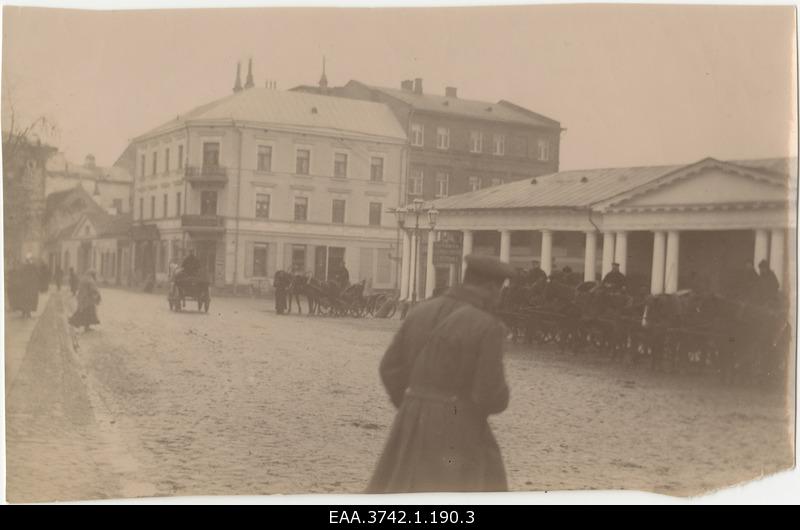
(668, 227)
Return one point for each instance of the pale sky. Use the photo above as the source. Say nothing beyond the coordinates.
(633, 85)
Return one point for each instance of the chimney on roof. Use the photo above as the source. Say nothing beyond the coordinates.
(418, 85)
(408, 85)
(249, 82)
(89, 161)
(451, 92)
(237, 87)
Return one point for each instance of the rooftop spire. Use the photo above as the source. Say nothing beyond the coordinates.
(249, 82)
(323, 81)
(238, 86)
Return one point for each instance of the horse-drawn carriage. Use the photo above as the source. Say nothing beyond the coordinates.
(684, 331)
(185, 287)
(330, 298)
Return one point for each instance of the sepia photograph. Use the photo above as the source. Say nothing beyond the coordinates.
(374, 249)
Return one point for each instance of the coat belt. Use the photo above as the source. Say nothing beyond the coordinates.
(431, 395)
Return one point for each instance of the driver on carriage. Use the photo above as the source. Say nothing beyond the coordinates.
(191, 265)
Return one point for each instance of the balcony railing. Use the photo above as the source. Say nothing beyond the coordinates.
(210, 175)
(211, 223)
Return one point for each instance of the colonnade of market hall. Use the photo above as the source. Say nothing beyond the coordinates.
(661, 261)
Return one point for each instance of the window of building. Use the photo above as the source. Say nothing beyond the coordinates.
(499, 144)
(544, 149)
(211, 154)
(155, 162)
(340, 165)
(142, 165)
(442, 138)
(260, 259)
(337, 211)
(417, 134)
(301, 208)
(166, 211)
(299, 258)
(475, 141)
(376, 169)
(262, 206)
(166, 160)
(303, 161)
(375, 209)
(415, 181)
(497, 181)
(153, 207)
(178, 204)
(264, 158)
(180, 157)
(141, 208)
(474, 183)
(442, 184)
(208, 202)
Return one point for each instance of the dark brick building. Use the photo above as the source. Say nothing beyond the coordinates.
(459, 145)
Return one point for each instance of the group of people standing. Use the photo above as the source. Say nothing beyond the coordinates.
(614, 279)
(26, 281)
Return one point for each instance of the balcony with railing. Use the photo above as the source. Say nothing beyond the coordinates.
(203, 223)
(207, 175)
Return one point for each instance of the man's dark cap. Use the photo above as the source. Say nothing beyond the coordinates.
(489, 267)
(763, 264)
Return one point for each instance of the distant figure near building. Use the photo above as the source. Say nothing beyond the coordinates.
(73, 281)
(281, 283)
(27, 289)
(614, 279)
(444, 373)
(88, 298)
(536, 273)
(767, 286)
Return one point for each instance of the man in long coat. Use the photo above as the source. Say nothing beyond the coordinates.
(27, 291)
(444, 373)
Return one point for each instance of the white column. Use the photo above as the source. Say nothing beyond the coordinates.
(505, 246)
(413, 269)
(590, 257)
(761, 250)
(776, 254)
(547, 251)
(672, 260)
(608, 252)
(452, 275)
(621, 251)
(279, 265)
(657, 274)
(466, 249)
(430, 271)
(405, 264)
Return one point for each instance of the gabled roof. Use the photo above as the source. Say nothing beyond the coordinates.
(62, 199)
(294, 109)
(105, 225)
(504, 111)
(587, 189)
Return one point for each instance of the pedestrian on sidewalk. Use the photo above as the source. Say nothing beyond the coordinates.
(444, 372)
(73, 281)
(88, 298)
(27, 290)
(58, 275)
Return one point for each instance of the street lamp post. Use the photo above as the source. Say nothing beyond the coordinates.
(417, 209)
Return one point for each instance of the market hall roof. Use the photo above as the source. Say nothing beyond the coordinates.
(598, 189)
(294, 110)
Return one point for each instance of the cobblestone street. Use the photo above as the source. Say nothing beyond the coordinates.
(242, 401)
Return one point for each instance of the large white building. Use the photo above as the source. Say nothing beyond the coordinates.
(264, 180)
(669, 227)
